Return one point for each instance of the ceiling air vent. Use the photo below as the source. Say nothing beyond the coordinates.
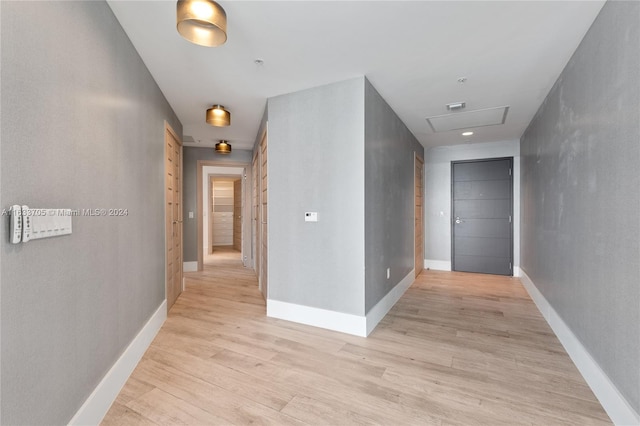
(468, 119)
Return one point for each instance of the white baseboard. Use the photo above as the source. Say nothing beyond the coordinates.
(337, 321)
(616, 406)
(190, 266)
(516, 271)
(437, 265)
(375, 314)
(96, 406)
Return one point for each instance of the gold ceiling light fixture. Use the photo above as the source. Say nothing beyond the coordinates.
(223, 147)
(202, 22)
(218, 116)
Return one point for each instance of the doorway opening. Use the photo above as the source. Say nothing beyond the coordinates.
(224, 216)
(223, 225)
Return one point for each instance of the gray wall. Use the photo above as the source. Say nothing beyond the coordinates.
(316, 163)
(389, 151)
(82, 127)
(437, 185)
(190, 158)
(580, 198)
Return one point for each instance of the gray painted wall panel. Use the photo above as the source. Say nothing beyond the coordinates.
(82, 127)
(580, 197)
(316, 163)
(389, 197)
(191, 156)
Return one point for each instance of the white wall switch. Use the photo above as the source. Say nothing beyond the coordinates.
(311, 216)
(190, 215)
(15, 216)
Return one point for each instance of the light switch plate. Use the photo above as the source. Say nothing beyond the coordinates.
(311, 216)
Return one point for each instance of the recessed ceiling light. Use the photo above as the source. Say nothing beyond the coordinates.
(462, 80)
(467, 133)
(456, 106)
(258, 62)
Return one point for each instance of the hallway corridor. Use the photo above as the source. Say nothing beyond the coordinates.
(456, 349)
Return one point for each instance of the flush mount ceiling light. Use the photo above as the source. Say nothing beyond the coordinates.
(203, 22)
(467, 133)
(223, 147)
(218, 116)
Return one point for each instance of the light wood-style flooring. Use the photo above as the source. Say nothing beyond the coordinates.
(457, 349)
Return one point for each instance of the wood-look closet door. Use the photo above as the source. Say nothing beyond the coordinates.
(237, 214)
(264, 219)
(173, 214)
(255, 201)
(419, 215)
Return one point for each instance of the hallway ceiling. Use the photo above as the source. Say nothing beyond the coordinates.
(413, 53)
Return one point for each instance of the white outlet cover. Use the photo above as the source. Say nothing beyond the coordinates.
(311, 216)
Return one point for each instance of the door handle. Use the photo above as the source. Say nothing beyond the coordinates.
(458, 220)
(177, 221)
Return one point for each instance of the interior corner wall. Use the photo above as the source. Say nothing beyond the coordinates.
(437, 183)
(316, 164)
(190, 157)
(389, 153)
(82, 128)
(580, 198)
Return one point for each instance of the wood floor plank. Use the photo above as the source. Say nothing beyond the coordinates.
(457, 349)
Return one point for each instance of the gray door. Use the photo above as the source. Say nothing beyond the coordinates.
(482, 209)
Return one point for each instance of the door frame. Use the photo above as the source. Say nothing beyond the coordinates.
(180, 224)
(199, 201)
(210, 180)
(452, 219)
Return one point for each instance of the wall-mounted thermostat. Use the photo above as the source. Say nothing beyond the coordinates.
(311, 216)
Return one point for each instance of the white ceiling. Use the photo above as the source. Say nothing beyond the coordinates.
(412, 52)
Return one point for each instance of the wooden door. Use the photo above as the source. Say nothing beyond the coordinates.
(237, 214)
(210, 212)
(419, 215)
(173, 214)
(255, 201)
(264, 219)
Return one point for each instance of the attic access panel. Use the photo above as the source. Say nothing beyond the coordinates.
(465, 120)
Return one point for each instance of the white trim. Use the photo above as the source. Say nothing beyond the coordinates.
(190, 266)
(337, 321)
(98, 403)
(375, 314)
(238, 171)
(517, 272)
(616, 406)
(437, 265)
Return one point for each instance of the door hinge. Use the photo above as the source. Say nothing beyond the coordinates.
(510, 268)
(509, 218)
(509, 171)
